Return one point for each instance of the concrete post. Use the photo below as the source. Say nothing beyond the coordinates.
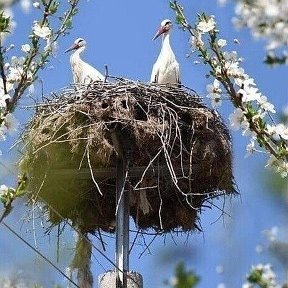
(108, 280)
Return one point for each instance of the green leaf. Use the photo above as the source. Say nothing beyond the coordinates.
(172, 5)
(68, 24)
(53, 7)
(4, 23)
(22, 186)
(185, 278)
(255, 276)
(179, 19)
(75, 11)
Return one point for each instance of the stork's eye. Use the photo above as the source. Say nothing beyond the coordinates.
(167, 23)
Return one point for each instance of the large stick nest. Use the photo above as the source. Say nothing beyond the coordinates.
(176, 154)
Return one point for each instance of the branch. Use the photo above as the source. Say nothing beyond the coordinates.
(252, 111)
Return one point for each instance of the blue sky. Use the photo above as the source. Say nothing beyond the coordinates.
(119, 34)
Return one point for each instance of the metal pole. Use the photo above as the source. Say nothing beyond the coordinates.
(108, 280)
(122, 226)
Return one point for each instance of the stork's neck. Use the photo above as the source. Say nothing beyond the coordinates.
(76, 54)
(166, 43)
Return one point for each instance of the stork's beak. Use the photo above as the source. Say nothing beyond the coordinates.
(159, 32)
(73, 47)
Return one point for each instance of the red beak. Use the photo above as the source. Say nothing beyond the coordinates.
(73, 47)
(160, 32)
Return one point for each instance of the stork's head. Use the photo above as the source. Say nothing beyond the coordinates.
(165, 27)
(79, 42)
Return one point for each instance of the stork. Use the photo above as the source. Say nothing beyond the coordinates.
(83, 73)
(166, 68)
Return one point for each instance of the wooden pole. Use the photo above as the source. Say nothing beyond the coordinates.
(122, 225)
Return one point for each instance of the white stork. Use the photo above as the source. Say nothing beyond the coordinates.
(166, 68)
(83, 73)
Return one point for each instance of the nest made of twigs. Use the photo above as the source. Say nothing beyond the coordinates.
(177, 153)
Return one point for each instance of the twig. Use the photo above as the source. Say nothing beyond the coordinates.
(91, 171)
(106, 73)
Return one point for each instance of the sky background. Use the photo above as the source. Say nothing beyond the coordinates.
(119, 34)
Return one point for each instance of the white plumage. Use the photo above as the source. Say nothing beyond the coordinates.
(83, 73)
(166, 68)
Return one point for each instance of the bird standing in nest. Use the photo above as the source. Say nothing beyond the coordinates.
(166, 68)
(83, 73)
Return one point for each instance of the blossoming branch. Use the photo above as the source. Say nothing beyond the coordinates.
(19, 72)
(252, 111)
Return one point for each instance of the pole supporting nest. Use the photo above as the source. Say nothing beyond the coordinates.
(122, 225)
(121, 277)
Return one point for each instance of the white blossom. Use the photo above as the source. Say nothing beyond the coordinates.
(282, 131)
(282, 169)
(250, 148)
(51, 45)
(265, 105)
(196, 41)
(280, 166)
(6, 65)
(271, 14)
(214, 88)
(17, 61)
(249, 93)
(15, 73)
(221, 43)
(232, 66)
(246, 131)
(272, 234)
(231, 56)
(25, 5)
(219, 269)
(206, 26)
(236, 41)
(3, 190)
(41, 31)
(173, 281)
(278, 131)
(14, 281)
(271, 161)
(3, 101)
(267, 274)
(222, 2)
(234, 70)
(16, 70)
(36, 5)
(244, 82)
(259, 249)
(236, 118)
(25, 48)
(11, 123)
(214, 92)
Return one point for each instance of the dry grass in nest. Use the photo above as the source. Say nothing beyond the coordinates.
(178, 155)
